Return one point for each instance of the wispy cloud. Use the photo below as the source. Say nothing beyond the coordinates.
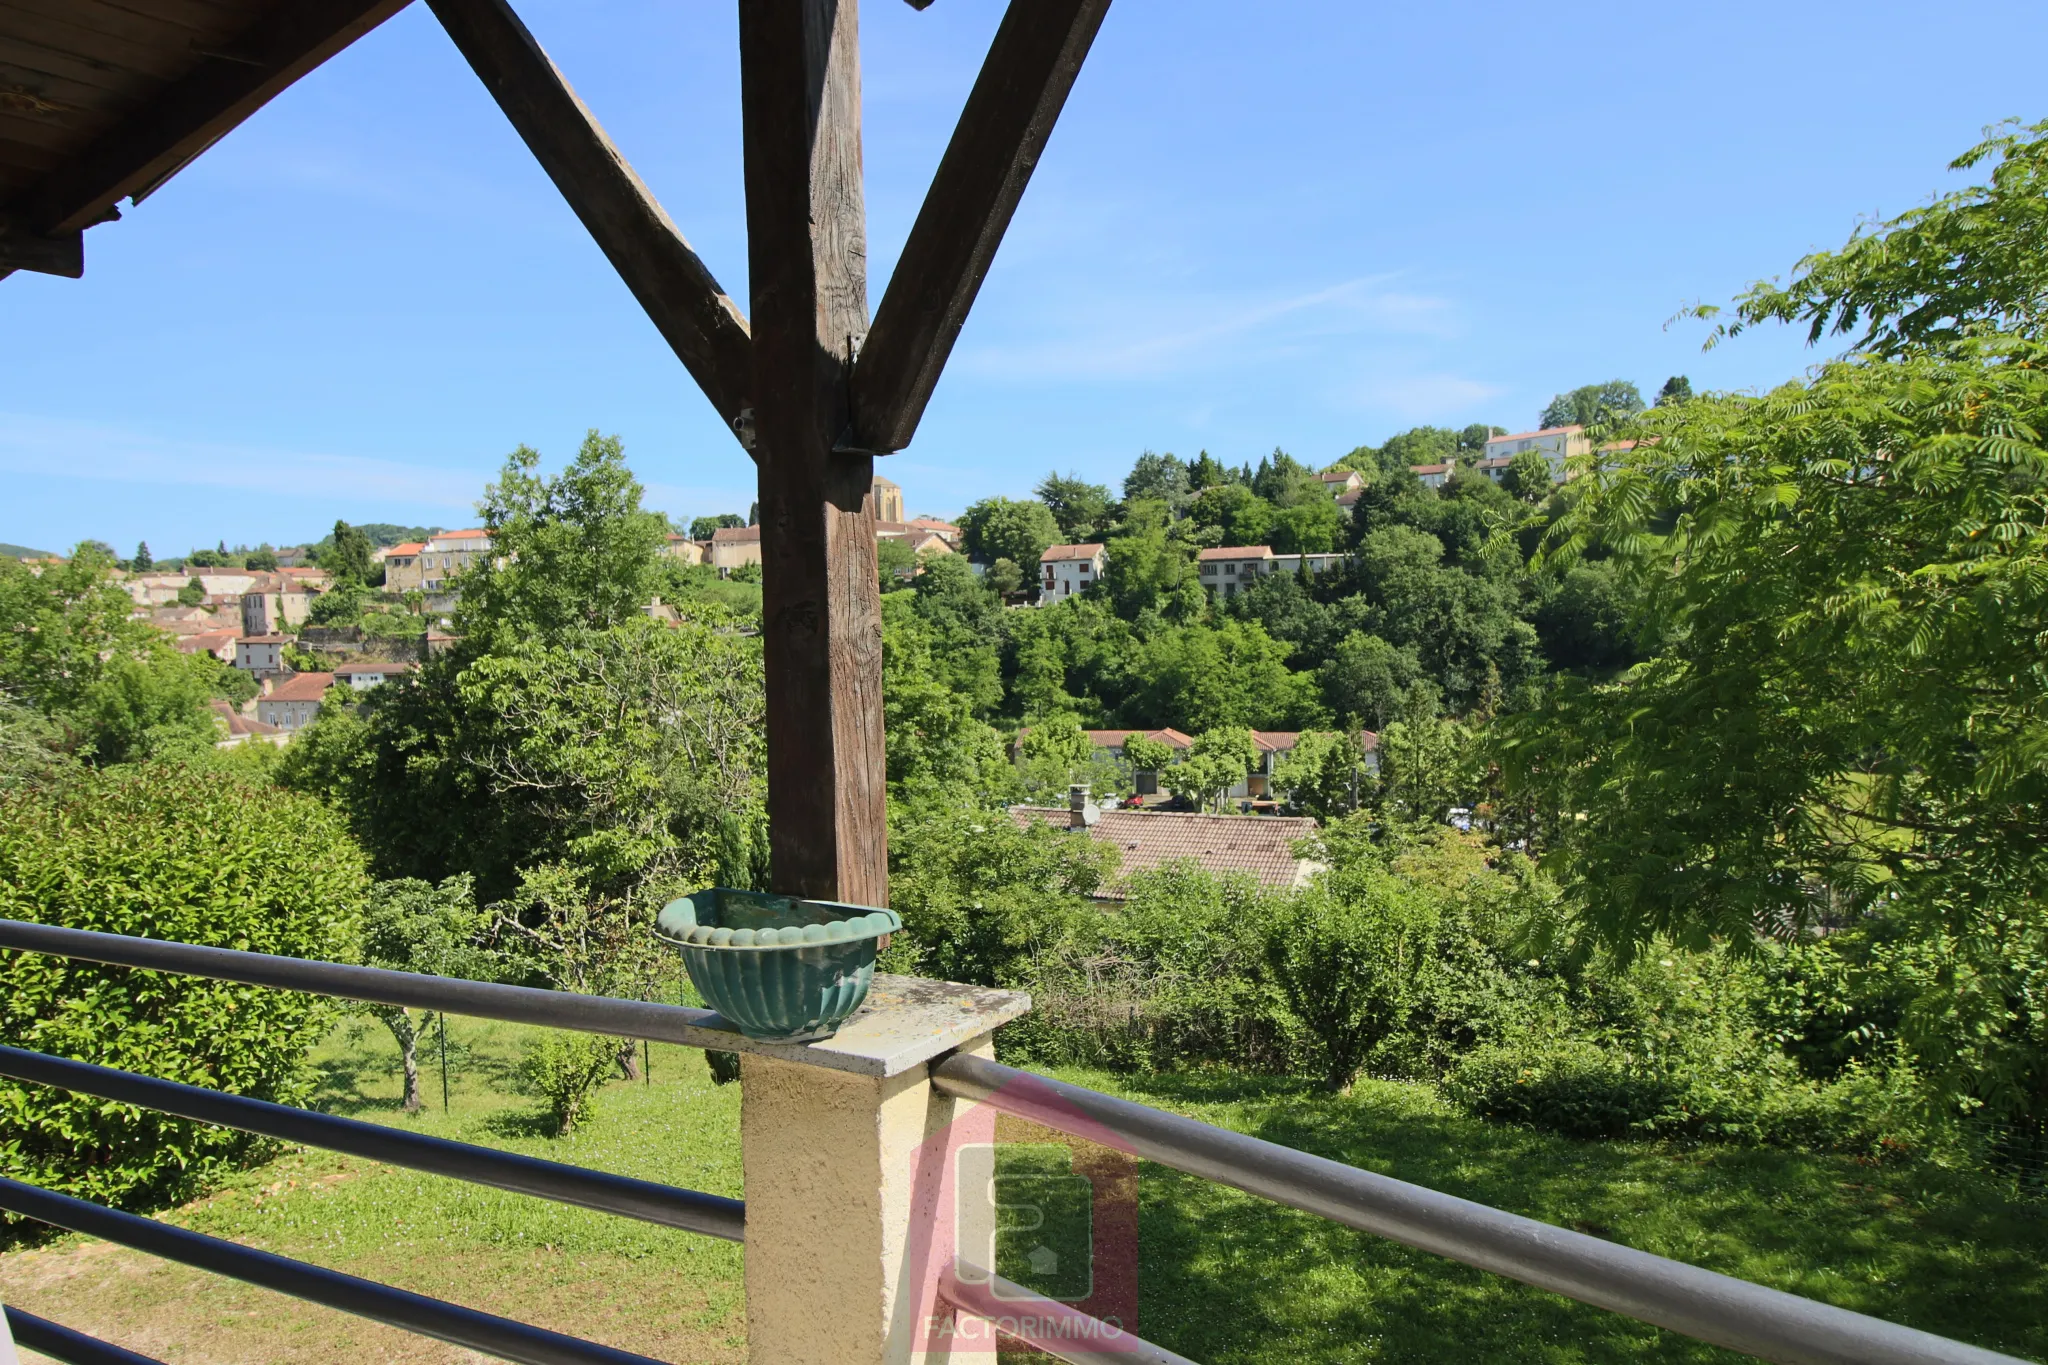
(1184, 334)
(60, 448)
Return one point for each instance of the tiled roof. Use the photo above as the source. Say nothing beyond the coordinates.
(1338, 475)
(1115, 739)
(302, 687)
(1495, 462)
(411, 547)
(735, 535)
(239, 724)
(1260, 845)
(1531, 435)
(1350, 499)
(207, 641)
(1237, 552)
(1429, 469)
(264, 640)
(463, 535)
(373, 666)
(1069, 552)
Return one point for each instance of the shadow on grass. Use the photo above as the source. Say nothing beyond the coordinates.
(1229, 1278)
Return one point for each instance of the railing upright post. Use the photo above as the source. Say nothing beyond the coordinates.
(851, 1207)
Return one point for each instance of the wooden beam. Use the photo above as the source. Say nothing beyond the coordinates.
(1002, 132)
(822, 628)
(60, 253)
(198, 109)
(672, 283)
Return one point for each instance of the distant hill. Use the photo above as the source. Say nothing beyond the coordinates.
(23, 552)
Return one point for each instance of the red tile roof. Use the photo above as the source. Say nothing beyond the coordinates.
(1261, 846)
(1429, 469)
(1070, 552)
(462, 535)
(302, 687)
(1115, 739)
(411, 547)
(735, 535)
(1237, 552)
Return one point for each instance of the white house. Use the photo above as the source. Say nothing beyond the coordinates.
(1338, 482)
(364, 676)
(1556, 444)
(733, 547)
(1234, 568)
(262, 655)
(1068, 569)
(1432, 475)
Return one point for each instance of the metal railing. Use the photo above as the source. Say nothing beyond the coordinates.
(1697, 1303)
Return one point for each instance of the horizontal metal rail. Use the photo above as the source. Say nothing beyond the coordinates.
(485, 1332)
(1698, 1303)
(710, 1214)
(1060, 1330)
(61, 1343)
(477, 999)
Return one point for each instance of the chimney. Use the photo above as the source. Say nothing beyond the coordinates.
(1081, 812)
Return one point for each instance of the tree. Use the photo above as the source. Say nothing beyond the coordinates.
(1676, 390)
(1218, 760)
(415, 926)
(1345, 954)
(143, 563)
(1428, 765)
(1312, 527)
(1593, 405)
(1968, 265)
(1005, 577)
(348, 556)
(703, 528)
(1366, 678)
(1472, 440)
(1240, 516)
(1848, 572)
(1529, 476)
(114, 686)
(1054, 751)
(263, 559)
(192, 594)
(1081, 508)
(1147, 565)
(936, 746)
(1005, 528)
(569, 553)
(340, 605)
(1148, 755)
(1206, 471)
(1285, 481)
(895, 562)
(1158, 478)
(1323, 774)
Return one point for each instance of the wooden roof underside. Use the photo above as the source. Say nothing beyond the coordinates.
(103, 100)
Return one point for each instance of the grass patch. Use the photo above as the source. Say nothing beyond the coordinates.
(1229, 1280)
(1225, 1279)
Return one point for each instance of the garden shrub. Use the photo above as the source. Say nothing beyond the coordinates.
(162, 852)
(564, 1070)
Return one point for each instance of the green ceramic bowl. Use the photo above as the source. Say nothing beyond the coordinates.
(783, 970)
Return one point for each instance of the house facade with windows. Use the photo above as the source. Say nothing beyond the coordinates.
(432, 565)
(1066, 570)
(1555, 444)
(1433, 475)
(293, 703)
(731, 547)
(261, 655)
(1229, 570)
(1338, 482)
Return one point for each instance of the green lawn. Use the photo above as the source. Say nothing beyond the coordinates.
(1225, 1279)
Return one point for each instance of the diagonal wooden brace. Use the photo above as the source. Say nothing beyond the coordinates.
(1002, 132)
(694, 315)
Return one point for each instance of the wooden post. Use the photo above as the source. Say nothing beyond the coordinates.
(807, 257)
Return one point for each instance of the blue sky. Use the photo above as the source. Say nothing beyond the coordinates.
(1303, 225)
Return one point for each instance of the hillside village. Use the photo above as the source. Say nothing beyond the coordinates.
(303, 647)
